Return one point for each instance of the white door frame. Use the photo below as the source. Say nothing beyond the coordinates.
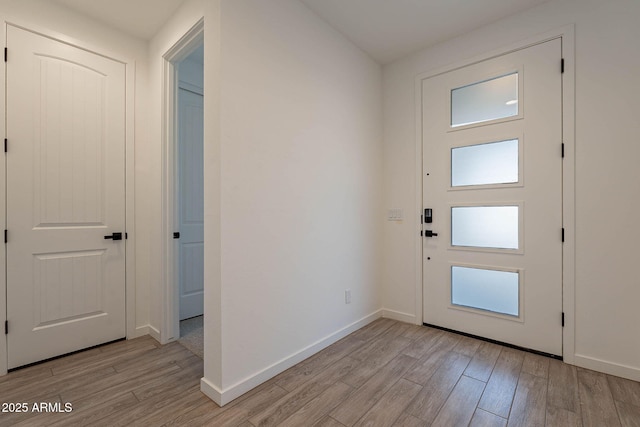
(170, 308)
(568, 175)
(130, 264)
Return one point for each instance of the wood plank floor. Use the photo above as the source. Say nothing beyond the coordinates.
(386, 374)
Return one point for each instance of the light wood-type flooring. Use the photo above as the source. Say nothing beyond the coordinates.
(385, 374)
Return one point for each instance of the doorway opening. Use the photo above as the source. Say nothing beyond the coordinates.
(183, 216)
(188, 196)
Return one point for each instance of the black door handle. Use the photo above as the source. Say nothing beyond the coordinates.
(429, 233)
(114, 236)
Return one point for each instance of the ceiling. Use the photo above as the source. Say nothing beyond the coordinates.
(391, 29)
(139, 18)
(386, 29)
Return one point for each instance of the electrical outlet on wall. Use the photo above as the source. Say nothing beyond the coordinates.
(347, 296)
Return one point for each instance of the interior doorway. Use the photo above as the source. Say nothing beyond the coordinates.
(188, 187)
(183, 243)
(189, 194)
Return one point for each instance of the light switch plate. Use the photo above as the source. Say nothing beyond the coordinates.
(395, 215)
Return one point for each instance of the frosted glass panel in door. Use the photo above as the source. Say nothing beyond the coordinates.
(485, 226)
(482, 164)
(491, 290)
(492, 99)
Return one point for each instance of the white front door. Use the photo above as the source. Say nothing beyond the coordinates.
(492, 180)
(65, 193)
(190, 203)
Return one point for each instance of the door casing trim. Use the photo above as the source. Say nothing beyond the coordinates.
(567, 36)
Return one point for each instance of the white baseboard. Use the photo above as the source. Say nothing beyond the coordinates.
(155, 333)
(139, 331)
(145, 330)
(400, 316)
(222, 397)
(607, 367)
(211, 391)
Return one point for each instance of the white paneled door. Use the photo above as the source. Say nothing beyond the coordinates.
(492, 182)
(65, 198)
(190, 203)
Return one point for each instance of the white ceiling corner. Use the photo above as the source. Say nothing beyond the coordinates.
(138, 18)
(391, 29)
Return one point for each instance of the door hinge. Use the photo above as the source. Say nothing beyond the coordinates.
(6, 327)
(5, 54)
(562, 234)
(563, 149)
(563, 319)
(562, 65)
(6, 239)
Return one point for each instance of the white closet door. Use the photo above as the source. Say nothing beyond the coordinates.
(190, 203)
(65, 193)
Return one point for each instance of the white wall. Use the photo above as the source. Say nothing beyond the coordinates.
(212, 381)
(300, 200)
(607, 128)
(67, 25)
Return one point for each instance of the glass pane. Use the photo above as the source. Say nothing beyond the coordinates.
(490, 290)
(493, 163)
(485, 226)
(488, 100)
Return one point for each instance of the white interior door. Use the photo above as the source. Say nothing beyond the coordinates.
(190, 203)
(493, 181)
(65, 193)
